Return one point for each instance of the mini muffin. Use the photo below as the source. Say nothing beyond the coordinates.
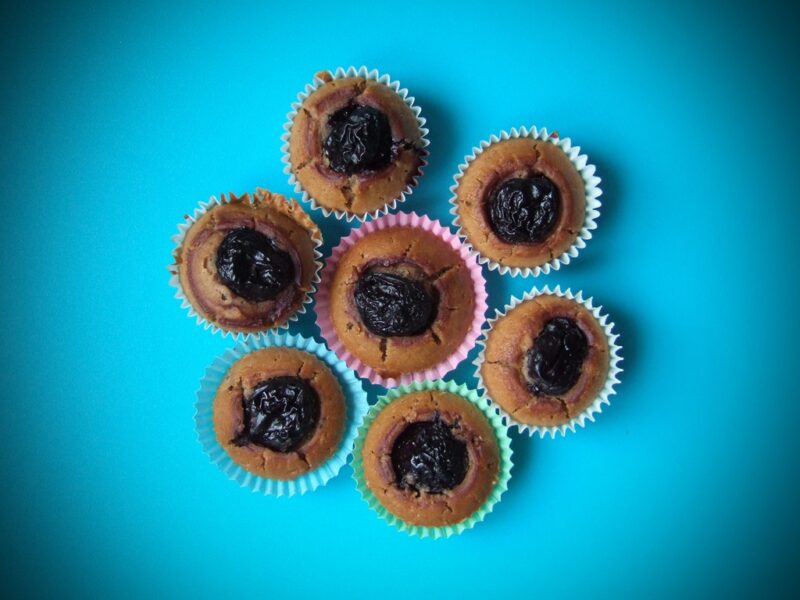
(545, 361)
(402, 300)
(355, 145)
(431, 458)
(279, 412)
(249, 266)
(521, 202)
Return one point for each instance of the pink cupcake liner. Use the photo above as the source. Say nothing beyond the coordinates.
(325, 324)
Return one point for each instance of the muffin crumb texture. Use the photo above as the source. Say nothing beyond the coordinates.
(545, 361)
(355, 145)
(401, 300)
(248, 266)
(493, 214)
(289, 438)
(431, 458)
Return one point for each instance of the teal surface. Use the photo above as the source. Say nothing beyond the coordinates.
(118, 118)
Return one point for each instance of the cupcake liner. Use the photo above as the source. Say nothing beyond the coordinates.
(603, 396)
(174, 279)
(591, 186)
(504, 468)
(354, 394)
(342, 73)
(323, 299)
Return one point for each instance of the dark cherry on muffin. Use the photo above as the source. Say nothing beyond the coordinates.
(401, 300)
(248, 266)
(279, 412)
(431, 458)
(521, 202)
(354, 144)
(546, 360)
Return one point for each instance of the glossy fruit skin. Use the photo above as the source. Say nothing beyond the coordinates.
(279, 414)
(427, 457)
(524, 210)
(555, 360)
(252, 266)
(359, 139)
(392, 305)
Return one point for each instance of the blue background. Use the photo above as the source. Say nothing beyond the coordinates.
(117, 119)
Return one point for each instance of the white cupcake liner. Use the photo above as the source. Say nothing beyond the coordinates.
(591, 187)
(605, 393)
(373, 75)
(174, 279)
(355, 398)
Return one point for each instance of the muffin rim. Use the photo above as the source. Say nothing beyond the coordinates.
(190, 219)
(592, 193)
(609, 386)
(227, 411)
(373, 75)
(505, 461)
(355, 401)
(322, 306)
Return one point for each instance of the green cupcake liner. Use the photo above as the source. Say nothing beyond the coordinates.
(503, 442)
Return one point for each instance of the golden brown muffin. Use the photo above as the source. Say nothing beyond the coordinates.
(521, 202)
(355, 145)
(401, 300)
(431, 458)
(249, 266)
(279, 412)
(546, 360)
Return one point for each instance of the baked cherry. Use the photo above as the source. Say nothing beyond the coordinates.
(279, 414)
(427, 457)
(252, 266)
(392, 305)
(524, 210)
(555, 360)
(359, 139)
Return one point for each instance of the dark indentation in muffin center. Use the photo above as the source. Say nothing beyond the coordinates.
(524, 210)
(279, 414)
(427, 457)
(252, 266)
(359, 139)
(553, 364)
(394, 304)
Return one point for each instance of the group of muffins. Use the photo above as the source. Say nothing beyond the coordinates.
(401, 302)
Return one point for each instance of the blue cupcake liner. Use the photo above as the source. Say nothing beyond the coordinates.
(355, 397)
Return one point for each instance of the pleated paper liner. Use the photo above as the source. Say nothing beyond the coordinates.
(504, 467)
(175, 282)
(603, 397)
(372, 75)
(355, 397)
(591, 187)
(323, 299)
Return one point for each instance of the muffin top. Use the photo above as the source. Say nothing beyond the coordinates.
(545, 361)
(401, 300)
(248, 266)
(355, 145)
(431, 458)
(279, 412)
(521, 202)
